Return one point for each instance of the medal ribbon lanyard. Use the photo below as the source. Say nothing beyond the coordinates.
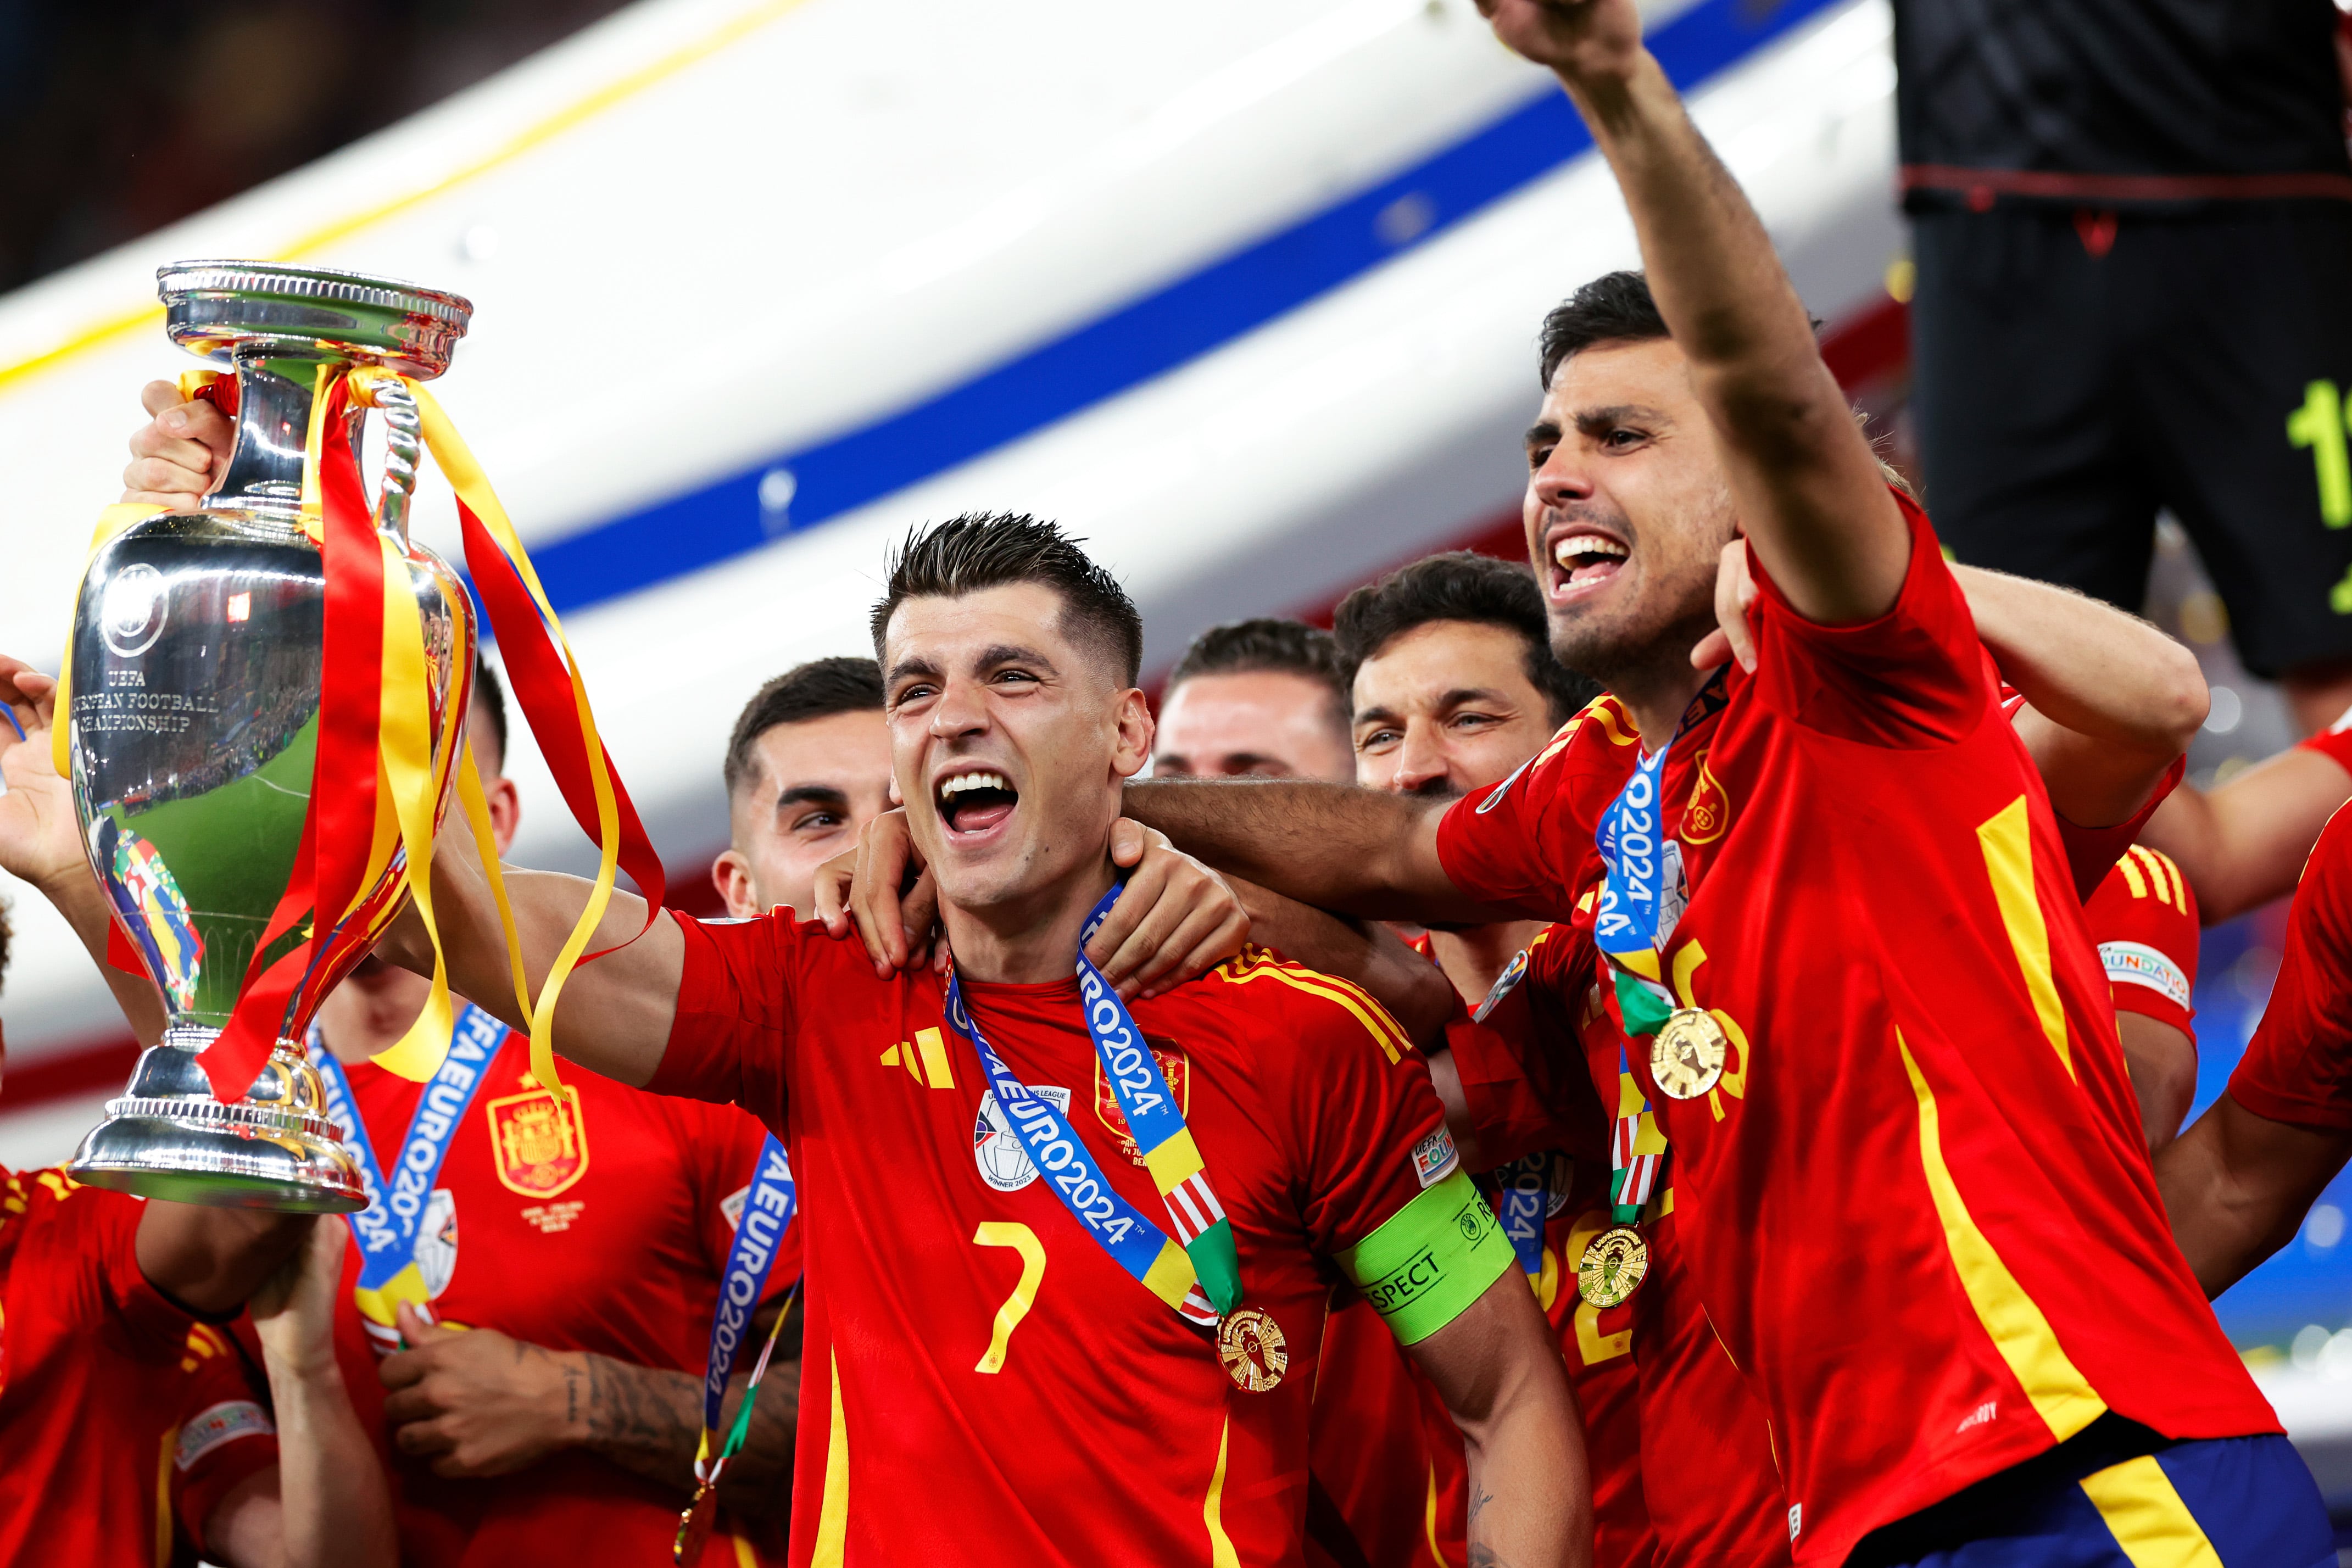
(1201, 1281)
(768, 1210)
(1632, 847)
(1520, 1191)
(388, 1228)
(1637, 1148)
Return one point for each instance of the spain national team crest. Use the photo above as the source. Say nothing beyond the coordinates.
(1174, 1067)
(1708, 811)
(539, 1142)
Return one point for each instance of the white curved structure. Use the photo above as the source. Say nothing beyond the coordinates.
(1247, 298)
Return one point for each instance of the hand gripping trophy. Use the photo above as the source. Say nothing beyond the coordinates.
(205, 759)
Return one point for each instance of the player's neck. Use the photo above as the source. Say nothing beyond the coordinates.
(1474, 958)
(1028, 941)
(1656, 693)
(362, 1019)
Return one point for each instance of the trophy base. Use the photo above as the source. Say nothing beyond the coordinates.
(168, 1137)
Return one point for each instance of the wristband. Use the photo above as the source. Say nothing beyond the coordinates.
(1429, 1260)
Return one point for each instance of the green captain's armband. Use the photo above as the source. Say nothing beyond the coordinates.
(1429, 1260)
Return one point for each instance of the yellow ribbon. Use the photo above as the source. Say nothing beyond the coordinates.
(457, 465)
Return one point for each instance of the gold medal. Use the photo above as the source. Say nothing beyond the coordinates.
(1612, 1266)
(1250, 1344)
(694, 1526)
(1687, 1054)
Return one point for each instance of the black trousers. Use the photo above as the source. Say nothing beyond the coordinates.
(2076, 371)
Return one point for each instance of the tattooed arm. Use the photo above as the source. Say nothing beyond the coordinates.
(479, 1402)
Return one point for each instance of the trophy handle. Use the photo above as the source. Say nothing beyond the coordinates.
(402, 442)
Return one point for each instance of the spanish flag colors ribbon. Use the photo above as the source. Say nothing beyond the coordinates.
(377, 742)
(540, 664)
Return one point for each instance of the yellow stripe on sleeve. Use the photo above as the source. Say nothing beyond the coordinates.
(2132, 878)
(1385, 1031)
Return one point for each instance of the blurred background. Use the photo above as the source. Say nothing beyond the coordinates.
(1248, 298)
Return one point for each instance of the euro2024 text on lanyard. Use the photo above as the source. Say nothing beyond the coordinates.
(768, 1206)
(1199, 1280)
(1687, 1048)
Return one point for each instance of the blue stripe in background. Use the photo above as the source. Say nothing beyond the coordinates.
(1148, 337)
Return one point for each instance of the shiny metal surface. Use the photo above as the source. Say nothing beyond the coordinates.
(195, 691)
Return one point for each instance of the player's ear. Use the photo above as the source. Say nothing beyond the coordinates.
(730, 873)
(1133, 717)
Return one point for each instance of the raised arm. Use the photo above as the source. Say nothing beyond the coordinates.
(2111, 701)
(613, 1016)
(1804, 482)
(2237, 1187)
(41, 845)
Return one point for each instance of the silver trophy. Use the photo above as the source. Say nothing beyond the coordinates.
(194, 721)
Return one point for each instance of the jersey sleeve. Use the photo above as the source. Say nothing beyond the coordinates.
(1387, 1198)
(2298, 1067)
(153, 1324)
(1520, 845)
(225, 1432)
(2334, 742)
(2093, 853)
(1915, 678)
(737, 996)
(2144, 918)
(723, 1149)
(1522, 1075)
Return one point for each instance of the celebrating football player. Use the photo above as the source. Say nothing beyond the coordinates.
(1101, 1349)
(1832, 903)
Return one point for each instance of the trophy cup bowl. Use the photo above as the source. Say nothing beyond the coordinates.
(196, 711)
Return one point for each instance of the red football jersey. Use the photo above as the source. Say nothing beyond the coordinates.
(599, 1222)
(2298, 1067)
(123, 1420)
(1711, 1484)
(1384, 1448)
(983, 1382)
(2334, 742)
(1882, 917)
(2144, 918)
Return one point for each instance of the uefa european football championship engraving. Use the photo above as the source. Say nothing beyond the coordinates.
(196, 690)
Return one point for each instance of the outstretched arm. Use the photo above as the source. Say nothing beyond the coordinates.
(1804, 482)
(1498, 1370)
(2111, 701)
(2243, 843)
(1359, 852)
(2237, 1186)
(613, 1016)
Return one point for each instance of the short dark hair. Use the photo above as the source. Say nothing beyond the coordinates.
(818, 689)
(995, 549)
(1461, 585)
(1266, 642)
(491, 700)
(1614, 307)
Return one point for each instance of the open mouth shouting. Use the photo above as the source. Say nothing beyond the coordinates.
(974, 801)
(1582, 559)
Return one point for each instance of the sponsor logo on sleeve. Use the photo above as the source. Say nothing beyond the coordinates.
(2136, 963)
(1433, 1157)
(731, 1206)
(222, 1422)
